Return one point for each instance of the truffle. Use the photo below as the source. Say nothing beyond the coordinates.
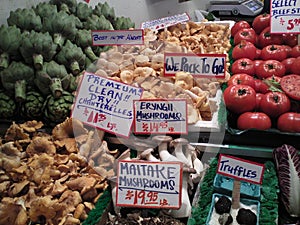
(223, 205)
(246, 217)
(225, 219)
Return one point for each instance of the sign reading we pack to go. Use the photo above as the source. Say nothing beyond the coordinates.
(240, 169)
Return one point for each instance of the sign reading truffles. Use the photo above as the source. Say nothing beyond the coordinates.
(149, 185)
(160, 116)
(240, 169)
(105, 104)
(285, 16)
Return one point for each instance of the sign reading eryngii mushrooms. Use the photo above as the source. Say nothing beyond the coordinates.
(204, 65)
(149, 184)
(165, 22)
(105, 104)
(118, 37)
(285, 16)
(160, 116)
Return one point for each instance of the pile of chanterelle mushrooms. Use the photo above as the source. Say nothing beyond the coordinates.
(143, 65)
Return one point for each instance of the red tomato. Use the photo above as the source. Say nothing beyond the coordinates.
(289, 122)
(247, 34)
(275, 103)
(290, 39)
(295, 66)
(295, 51)
(244, 49)
(288, 49)
(288, 64)
(258, 98)
(258, 53)
(238, 26)
(269, 68)
(290, 84)
(254, 120)
(241, 78)
(239, 98)
(265, 38)
(277, 52)
(260, 22)
(243, 65)
(261, 87)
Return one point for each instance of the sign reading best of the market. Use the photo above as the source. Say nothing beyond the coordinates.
(285, 16)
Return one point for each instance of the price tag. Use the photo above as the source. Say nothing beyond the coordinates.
(160, 116)
(165, 22)
(118, 37)
(285, 16)
(105, 104)
(149, 184)
(204, 65)
(240, 169)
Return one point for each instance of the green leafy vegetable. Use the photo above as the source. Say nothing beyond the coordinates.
(37, 47)
(56, 110)
(72, 57)
(61, 26)
(83, 11)
(8, 106)
(32, 106)
(45, 10)
(123, 23)
(69, 6)
(16, 78)
(52, 79)
(84, 40)
(10, 40)
(25, 19)
(95, 22)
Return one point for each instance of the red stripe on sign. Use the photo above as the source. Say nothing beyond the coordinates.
(88, 1)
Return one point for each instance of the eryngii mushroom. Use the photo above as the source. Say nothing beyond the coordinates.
(147, 155)
(163, 144)
(179, 144)
(193, 114)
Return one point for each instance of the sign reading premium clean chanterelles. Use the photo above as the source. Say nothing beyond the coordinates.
(106, 104)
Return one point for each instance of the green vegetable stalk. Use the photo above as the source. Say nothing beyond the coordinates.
(37, 47)
(17, 78)
(32, 106)
(7, 106)
(84, 40)
(25, 19)
(61, 26)
(56, 110)
(72, 57)
(52, 79)
(10, 41)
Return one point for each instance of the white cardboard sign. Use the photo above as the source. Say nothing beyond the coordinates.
(240, 169)
(149, 184)
(204, 65)
(105, 104)
(160, 116)
(165, 22)
(118, 37)
(285, 16)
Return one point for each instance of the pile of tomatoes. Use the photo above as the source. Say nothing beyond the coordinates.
(264, 89)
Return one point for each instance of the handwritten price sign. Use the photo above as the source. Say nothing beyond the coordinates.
(160, 116)
(204, 65)
(285, 16)
(149, 184)
(105, 104)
